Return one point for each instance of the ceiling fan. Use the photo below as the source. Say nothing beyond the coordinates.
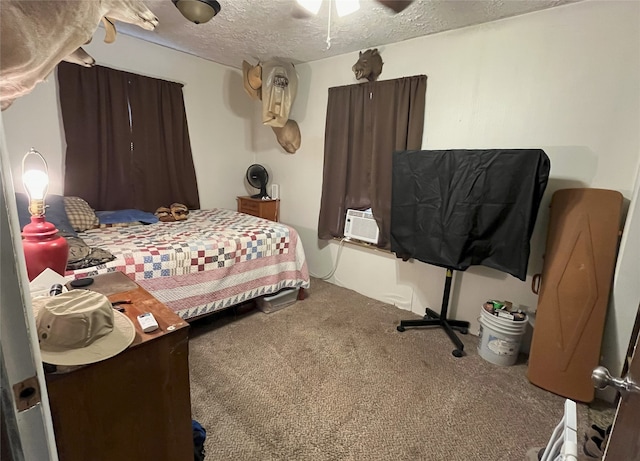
(345, 7)
(396, 5)
(201, 11)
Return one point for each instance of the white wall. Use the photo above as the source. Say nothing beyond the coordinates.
(219, 115)
(625, 299)
(564, 80)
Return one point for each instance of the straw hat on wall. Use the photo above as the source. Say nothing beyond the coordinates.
(288, 136)
(252, 79)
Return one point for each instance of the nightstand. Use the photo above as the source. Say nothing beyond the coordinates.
(135, 405)
(267, 209)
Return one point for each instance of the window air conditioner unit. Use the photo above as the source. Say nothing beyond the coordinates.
(361, 225)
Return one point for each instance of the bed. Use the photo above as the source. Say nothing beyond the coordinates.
(213, 260)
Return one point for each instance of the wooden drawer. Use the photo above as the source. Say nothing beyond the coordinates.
(250, 207)
(135, 405)
(266, 209)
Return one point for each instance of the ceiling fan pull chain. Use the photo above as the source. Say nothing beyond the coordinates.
(329, 27)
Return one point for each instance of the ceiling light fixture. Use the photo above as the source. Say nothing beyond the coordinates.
(344, 7)
(312, 6)
(198, 11)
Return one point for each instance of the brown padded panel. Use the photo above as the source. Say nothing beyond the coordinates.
(579, 262)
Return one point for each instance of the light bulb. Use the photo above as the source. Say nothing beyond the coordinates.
(36, 182)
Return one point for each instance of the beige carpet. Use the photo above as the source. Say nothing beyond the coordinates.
(330, 378)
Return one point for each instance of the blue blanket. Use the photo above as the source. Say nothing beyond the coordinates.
(126, 216)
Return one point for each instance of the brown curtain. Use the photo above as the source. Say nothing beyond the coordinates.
(365, 124)
(127, 140)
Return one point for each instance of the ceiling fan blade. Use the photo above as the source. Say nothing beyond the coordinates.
(298, 12)
(396, 5)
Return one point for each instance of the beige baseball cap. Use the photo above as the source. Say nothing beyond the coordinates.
(80, 327)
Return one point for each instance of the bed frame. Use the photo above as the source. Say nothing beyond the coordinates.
(213, 260)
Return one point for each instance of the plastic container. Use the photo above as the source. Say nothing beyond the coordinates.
(500, 338)
(275, 302)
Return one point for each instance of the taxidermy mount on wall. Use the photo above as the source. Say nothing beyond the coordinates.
(369, 65)
(36, 36)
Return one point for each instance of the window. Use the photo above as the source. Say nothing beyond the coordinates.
(365, 124)
(127, 140)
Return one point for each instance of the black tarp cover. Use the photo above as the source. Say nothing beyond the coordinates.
(458, 208)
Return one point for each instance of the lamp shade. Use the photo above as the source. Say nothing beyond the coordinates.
(198, 11)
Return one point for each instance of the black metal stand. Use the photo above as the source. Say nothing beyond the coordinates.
(432, 318)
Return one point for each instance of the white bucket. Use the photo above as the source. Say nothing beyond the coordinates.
(500, 338)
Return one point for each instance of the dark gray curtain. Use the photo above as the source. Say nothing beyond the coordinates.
(365, 124)
(127, 140)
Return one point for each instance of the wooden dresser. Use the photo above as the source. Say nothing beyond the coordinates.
(135, 405)
(267, 209)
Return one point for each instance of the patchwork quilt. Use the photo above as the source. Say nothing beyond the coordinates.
(215, 259)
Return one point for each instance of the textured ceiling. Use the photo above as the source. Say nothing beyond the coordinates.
(255, 30)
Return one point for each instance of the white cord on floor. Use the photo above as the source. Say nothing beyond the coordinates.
(333, 271)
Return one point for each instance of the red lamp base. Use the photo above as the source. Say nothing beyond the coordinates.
(43, 247)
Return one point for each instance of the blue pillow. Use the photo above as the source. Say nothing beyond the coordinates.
(126, 216)
(55, 213)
